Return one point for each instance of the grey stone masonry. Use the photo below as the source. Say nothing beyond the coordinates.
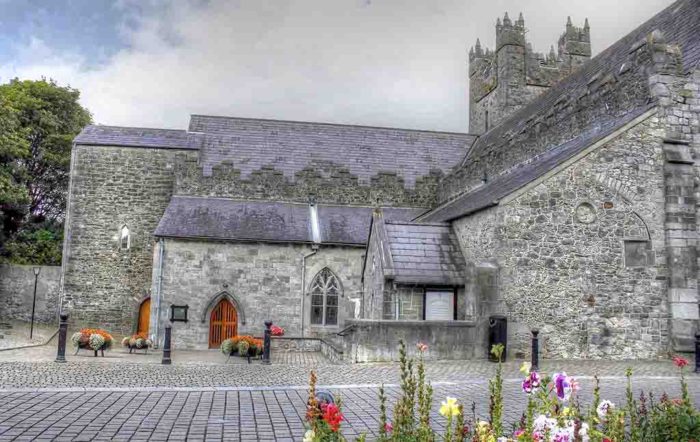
(679, 110)
(112, 187)
(17, 293)
(264, 281)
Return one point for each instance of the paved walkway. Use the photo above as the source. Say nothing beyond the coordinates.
(201, 398)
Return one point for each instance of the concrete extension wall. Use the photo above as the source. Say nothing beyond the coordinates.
(377, 341)
(17, 293)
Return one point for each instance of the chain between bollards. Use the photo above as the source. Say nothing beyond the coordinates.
(535, 361)
(166, 345)
(266, 343)
(697, 351)
(62, 331)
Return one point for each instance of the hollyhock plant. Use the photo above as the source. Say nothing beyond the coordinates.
(332, 416)
(680, 362)
(532, 382)
(422, 347)
(563, 385)
(604, 409)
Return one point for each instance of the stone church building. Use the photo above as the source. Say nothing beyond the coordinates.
(569, 206)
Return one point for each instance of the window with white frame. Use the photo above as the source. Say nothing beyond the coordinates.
(325, 291)
(124, 238)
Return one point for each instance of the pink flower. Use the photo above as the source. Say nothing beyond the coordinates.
(422, 347)
(388, 427)
(680, 362)
(519, 433)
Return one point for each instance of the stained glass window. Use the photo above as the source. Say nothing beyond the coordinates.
(325, 290)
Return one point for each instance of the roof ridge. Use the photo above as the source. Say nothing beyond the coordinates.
(110, 126)
(322, 123)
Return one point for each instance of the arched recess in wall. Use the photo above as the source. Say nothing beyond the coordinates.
(215, 300)
(635, 227)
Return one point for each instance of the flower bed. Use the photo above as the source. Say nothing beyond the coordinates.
(553, 413)
(276, 330)
(94, 339)
(137, 342)
(245, 346)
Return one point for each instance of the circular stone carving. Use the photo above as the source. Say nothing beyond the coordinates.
(585, 213)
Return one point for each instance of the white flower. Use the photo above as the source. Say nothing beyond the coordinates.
(96, 341)
(583, 432)
(604, 409)
(309, 436)
(502, 439)
(543, 423)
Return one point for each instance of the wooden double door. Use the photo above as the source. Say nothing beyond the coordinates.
(223, 323)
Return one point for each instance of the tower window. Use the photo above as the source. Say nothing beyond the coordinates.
(325, 290)
(124, 238)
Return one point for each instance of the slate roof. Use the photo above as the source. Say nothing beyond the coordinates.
(679, 23)
(235, 220)
(501, 186)
(291, 146)
(424, 254)
(133, 137)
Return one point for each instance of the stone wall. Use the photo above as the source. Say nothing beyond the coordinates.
(264, 280)
(378, 341)
(581, 254)
(17, 293)
(328, 183)
(112, 187)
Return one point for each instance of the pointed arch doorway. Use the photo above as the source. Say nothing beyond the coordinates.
(223, 323)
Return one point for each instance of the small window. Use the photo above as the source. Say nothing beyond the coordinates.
(638, 254)
(124, 238)
(325, 290)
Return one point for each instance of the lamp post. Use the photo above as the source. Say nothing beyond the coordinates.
(37, 270)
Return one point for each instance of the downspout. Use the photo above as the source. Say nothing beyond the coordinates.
(316, 238)
(65, 253)
(314, 248)
(159, 288)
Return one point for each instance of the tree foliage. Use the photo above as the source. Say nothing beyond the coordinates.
(38, 121)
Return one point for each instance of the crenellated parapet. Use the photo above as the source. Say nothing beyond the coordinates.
(504, 80)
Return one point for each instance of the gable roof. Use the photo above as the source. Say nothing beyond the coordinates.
(133, 137)
(234, 220)
(418, 253)
(503, 185)
(291, 146)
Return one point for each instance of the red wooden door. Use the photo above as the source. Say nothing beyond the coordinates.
(222, 323)
(144, 317)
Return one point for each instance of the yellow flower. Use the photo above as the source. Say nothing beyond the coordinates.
(449, 407)
(525, 368)
(566, 411)
(309, 436)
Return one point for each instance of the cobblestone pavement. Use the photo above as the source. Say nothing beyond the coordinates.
(94, 399)
(237, 414)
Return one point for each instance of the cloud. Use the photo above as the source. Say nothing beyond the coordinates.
(382, 62)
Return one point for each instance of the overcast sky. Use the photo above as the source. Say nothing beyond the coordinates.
(400, 63)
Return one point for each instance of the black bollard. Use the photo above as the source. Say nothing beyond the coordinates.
(535, 361)
(166, 345)
(697, 351)
(62, 331)
(266, 343)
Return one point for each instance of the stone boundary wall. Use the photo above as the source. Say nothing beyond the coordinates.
(17, 292)
(378, 341)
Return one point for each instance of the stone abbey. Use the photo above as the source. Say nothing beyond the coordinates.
(571, 205)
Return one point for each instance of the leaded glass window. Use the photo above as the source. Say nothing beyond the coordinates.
(325, 290)
(124, 239)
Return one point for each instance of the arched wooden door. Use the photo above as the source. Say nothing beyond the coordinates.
(222, 323)
(144, 317)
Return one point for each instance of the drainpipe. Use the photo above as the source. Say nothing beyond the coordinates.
(159, 288)
(316, 238)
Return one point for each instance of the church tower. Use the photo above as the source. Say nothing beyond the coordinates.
(503, 81)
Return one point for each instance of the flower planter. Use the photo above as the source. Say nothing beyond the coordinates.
(137, 342)
(94, 339)
(244, 346)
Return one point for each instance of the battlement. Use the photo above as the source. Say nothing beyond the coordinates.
(503, 80)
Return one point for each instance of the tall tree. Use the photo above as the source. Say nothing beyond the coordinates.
(38, 121)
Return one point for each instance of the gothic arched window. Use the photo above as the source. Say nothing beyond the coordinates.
(325, 290)
(124, 239)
